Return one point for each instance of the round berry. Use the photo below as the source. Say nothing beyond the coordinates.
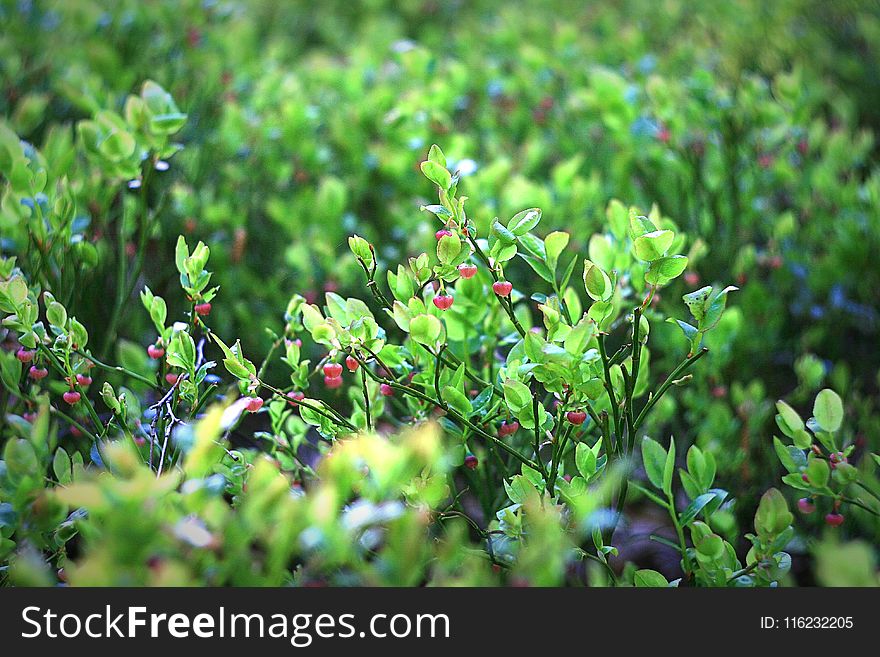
(171, 378)
(155, 352)
(37, 373)
(576, 417)
(508, 428)
(25, 355)
(84, 380)
(467, 270)
(296, 395)
(443, 232)
(502, 288)
(834, 519)
(332, 382)
(72, 397)
(805, 505)
(386, 390)
(443, 301)
(254, 404)
(692, 278)
(75, 432)
(351, 363)
(333, 370)
(471, 461)
(203, 308)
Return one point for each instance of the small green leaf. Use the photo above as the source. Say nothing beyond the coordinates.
(425, 329)
(664, 270)
(437, 174)
(654, 460)
(653, 245)
(646, 578)
(828, 410)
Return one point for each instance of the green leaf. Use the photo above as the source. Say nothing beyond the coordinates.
(523, 222)
(646, 578)
(828, 410)
(663, 270)
(654, 459)
(596, 282)
(425, 329)
(788, 420)
(818, 472)
(436, 156)
(554, 245)
(437, 174)
(585, 460)
(61, 466)
(652, 246)
(773, 515)
(693, 509)
(56, 314)
(448, 248)
(457, 400)
(517, 395)
(669, 468)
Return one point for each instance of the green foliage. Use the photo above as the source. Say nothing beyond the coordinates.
(213, 164)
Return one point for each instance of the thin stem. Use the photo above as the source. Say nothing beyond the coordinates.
(119, 369)
(673, 376)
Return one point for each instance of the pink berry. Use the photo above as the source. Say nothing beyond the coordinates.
(834, 519)
(332, 382)
(576, 417)
(443, 301)
(25, 355)
(171, 378)
(333, 370)
(155, 352)
(351, 363)
(37, 373)
(719, 392)
(203, 308)
(467, 270)
(443, 232)
(75, 432)
(71, 397)
(692, 278)
(508, 428)
(386, 390)
(502, 288)
(254, 404)
(296, 395)
(663, 135)
(805, 505)
(84, 380)
(471, 461)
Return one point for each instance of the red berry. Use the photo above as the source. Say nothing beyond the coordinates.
(508, 428)
(719, 392)
(467, 270)
(443, 301)
(254, 404)
(296, 395)
(25, 355)
(805, 505)
(75, 432)
(765, 161)
(171, 378)
(502, 288)
(37, 373)
(803, 147)
(834, 519)
(155, 352)
(72, 397)
(576, 417)
(332, 370)
(351, 363)
(471, 461)
(84, 380)
(805, 477)
(663, 135)
(332, 382)
(386, 390)
(443, 232)
(203, 308)
(692, 278)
